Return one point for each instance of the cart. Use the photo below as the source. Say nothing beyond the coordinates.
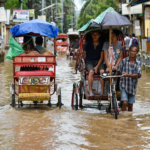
(62, 44)
(71, 37)
(109, 100)
(35, 85)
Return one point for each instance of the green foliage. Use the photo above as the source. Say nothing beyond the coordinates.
(14, 4)
(92, 8)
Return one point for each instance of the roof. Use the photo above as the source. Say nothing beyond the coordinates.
(136, 2)
(73, 33)
(62, 35)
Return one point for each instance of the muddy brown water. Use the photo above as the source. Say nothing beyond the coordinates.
(66, 129)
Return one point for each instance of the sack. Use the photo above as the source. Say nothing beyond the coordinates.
(14, 50)
(135, 42)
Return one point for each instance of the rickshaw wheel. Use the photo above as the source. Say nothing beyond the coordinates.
(72, 99)
(81, 94)
(59, 99)
(13, 100)
(74, 102)
(115, 105)
(21, 104)
(76, 106)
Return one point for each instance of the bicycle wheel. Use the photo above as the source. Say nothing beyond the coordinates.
(13, 100)
(59, 99)
(80, 95)
(115, 108)
(76, 106)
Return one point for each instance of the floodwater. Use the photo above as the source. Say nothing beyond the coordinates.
(67, 129)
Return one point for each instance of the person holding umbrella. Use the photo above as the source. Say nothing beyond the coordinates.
(117, 51)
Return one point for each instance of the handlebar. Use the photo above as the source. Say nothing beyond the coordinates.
(114, 76)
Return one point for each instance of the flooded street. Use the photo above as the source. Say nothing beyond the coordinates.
(66, 129)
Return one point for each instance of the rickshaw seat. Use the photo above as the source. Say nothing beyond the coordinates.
(96, 75)
(34, 73)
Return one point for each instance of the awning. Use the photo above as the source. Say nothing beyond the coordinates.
(136, 2)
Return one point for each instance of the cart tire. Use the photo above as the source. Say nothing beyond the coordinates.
(76, 106)
(59, 99)
(80, 96)
(73, 92)
(13, 100)
(115, 106)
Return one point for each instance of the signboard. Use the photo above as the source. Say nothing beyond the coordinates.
(20, 15)
(34, 80)
(147, 21)
(131, 10)
(147, 3)
(137, 28)
(70, 30)
(7, 16)
(42, 17)
(31, 12)
(2, 14)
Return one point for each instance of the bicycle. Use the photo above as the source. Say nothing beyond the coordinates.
(112, 92)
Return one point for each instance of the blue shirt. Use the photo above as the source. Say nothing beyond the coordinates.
(93, 53)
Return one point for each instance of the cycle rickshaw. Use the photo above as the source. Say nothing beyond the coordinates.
(81, 88)
(34, 85)
(71, 37)
(62, 44)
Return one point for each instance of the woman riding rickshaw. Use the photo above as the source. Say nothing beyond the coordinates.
(37, 69)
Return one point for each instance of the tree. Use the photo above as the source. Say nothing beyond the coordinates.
(14, 4)
(92, 8)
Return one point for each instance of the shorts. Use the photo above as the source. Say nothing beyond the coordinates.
(125, 96)
(89, 66)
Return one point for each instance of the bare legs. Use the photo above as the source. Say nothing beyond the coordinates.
(125, 104)
(90, 80)
(102, 82)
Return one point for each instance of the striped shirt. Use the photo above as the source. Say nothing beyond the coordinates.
(126, 83)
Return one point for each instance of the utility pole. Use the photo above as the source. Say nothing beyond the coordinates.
(62, 1)
(21, 1)
(72, 16)
(56, 11)
(42, 7)
(51, 12)
(43, 1)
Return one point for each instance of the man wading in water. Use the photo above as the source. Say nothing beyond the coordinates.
(131, 68)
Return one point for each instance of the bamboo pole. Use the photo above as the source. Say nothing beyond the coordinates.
(110, 30)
